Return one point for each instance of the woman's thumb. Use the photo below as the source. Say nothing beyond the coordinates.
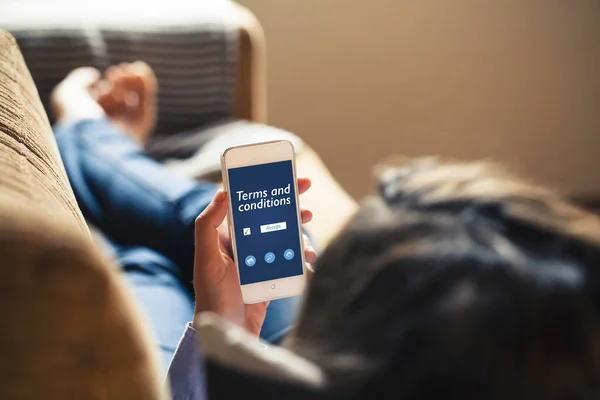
(207, 236)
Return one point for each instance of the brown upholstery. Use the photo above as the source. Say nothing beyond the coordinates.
(250, 89)
(69, 329)
(31, 170)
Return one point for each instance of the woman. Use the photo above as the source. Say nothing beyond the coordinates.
(457, 282)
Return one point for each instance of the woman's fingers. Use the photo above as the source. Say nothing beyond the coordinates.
(305, 215)
(207, 235)
(303, 185)
(310, 254)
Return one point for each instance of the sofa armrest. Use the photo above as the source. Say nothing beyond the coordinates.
(31, 170)
(70, 329)
(250, 88)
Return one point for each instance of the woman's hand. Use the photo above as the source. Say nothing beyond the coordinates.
(216, 281)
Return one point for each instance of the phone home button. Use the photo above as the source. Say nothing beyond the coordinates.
(273, 287)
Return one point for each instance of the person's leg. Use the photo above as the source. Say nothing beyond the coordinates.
(132, 199)
(166, 303)
(129, 197)
(137, 203)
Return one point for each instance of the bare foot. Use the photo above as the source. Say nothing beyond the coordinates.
(71, 99)
(128, 97)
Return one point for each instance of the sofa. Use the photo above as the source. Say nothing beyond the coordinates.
(71, 329)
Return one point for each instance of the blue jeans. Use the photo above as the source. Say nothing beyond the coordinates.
(148, 216)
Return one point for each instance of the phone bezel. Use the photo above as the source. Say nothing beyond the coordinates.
(255, 154)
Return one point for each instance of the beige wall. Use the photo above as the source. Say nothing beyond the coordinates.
(514, 80)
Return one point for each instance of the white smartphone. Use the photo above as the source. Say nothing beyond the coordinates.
(264, 220)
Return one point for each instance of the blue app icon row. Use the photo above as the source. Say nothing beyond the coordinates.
(270, 257)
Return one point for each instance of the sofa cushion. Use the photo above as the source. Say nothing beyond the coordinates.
(32, 172)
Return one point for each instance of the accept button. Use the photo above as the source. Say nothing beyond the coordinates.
(278, 226)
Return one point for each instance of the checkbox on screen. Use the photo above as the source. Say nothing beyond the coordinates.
(247, 231)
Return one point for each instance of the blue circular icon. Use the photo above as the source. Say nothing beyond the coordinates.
(269, 257)
(250, 261)
(288, 254)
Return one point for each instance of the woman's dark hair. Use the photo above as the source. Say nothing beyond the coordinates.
(458, 282)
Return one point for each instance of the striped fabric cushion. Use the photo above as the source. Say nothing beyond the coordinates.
(192, 50)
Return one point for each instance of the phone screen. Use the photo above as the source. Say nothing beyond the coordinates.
(265, 221)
